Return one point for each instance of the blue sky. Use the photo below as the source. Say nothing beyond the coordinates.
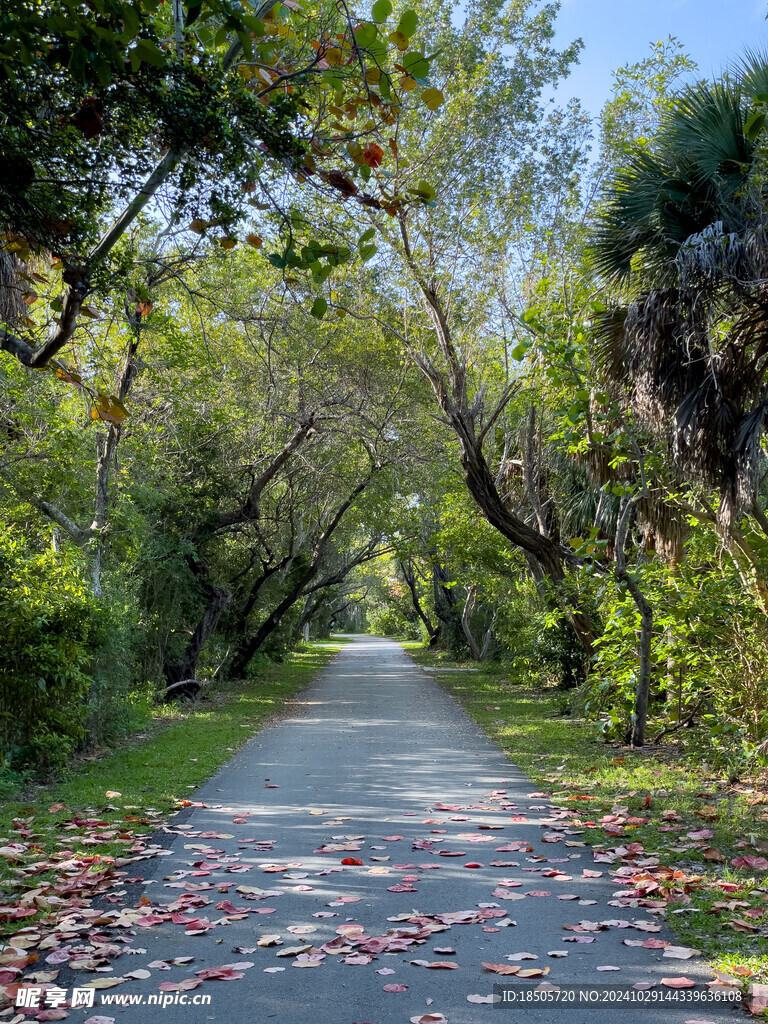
(618, 32)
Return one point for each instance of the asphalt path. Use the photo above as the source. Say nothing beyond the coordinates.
(371, 751)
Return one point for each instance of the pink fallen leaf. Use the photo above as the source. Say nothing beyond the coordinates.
(180, 986)
(678, 982)
(506, 894)
(385, 970)
(607, 967)
(99, 1020)
(219, 974)
(759, 863)
(483, 999)
(394, 987)
(429, 1018)
(308, 960)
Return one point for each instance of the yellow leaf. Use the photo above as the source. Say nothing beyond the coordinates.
(433, 98)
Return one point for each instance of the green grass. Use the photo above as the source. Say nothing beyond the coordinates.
(155, 770)
(563, 757)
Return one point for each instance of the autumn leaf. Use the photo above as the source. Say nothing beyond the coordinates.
(500, 968)
(434, 99)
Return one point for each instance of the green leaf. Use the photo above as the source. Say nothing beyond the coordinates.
(319, 308)
(367, 235)
(130, 22)
(149, 53)
(381, 10)
(754, 126)
(518, 352)
(425, 191)
(322, 274)
(367, 251)
(416, 65)
(256, 25)
(366, 35)
(408, 22)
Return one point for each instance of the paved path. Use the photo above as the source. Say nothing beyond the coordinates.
(373, 747)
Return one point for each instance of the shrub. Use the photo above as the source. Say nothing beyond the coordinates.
(50, 625)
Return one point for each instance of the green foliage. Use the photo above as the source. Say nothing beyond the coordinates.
(392, 622)
(51, 627)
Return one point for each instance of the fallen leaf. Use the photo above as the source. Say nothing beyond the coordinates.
(680, 952)
(446, 965)
(501, 968)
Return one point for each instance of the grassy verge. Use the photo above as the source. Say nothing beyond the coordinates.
(727, 917)
(148, 775)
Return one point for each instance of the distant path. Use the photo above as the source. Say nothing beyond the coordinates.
(376, 742)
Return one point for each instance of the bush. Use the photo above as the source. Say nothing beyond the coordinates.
(51, 625)
(387, 621)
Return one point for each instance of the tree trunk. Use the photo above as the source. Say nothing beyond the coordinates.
(643, 684)
(545, 550)
(409, 576)
(273, 620)
(218, 599)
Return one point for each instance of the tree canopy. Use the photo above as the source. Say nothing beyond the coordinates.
(346, 323)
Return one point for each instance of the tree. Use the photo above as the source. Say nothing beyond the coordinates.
(464, 256)
(111, 106)
(682, 232)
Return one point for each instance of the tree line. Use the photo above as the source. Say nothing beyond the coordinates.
(342, 320)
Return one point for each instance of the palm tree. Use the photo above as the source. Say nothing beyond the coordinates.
(683, 236)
